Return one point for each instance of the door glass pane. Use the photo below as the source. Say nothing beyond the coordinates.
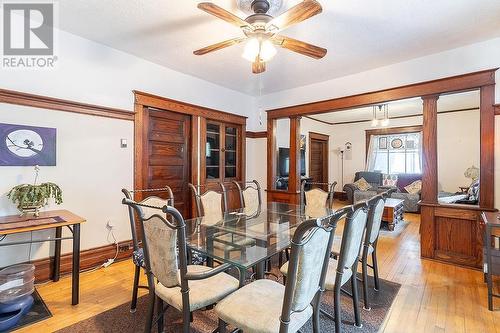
(212, 151)
(230, 172)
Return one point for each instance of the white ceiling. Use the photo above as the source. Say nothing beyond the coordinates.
(359, 35)
(405, 107)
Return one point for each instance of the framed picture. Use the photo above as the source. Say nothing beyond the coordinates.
(397, 143)
(382, 142)
(22, 145)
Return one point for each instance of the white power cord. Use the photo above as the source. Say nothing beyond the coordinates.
(110, 228)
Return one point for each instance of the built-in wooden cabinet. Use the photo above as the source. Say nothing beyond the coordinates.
(221, 147)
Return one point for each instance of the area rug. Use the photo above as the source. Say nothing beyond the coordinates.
(121, 320)
(398, 229)
(39, 311)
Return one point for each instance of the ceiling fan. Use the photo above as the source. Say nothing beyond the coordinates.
(262, 30)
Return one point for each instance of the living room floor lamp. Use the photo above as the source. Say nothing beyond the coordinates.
(347, 147)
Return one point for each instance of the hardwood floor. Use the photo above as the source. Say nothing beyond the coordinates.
(434, 297)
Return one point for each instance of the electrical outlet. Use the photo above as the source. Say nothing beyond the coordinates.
(123, 248)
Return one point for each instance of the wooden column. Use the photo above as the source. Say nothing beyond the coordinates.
(271, 154)
(294, 174)
(487, 160)
(429, 149)
(429, 175)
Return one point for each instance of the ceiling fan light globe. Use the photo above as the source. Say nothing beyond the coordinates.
(251, 50)
(267, 50)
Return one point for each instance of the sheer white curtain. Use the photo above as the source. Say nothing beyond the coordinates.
(373, 151)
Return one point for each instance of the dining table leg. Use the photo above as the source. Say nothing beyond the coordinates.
(242, 272)
(260, 270)
(75, 273)
(57, 255)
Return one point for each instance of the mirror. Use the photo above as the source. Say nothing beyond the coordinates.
(282, 154)
(458, 148)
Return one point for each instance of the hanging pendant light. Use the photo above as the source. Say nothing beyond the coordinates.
(386, 120)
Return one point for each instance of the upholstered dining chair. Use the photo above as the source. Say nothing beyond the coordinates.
(185, 287)
(212, 205)
(250, 196)
(317, 197)
(344, 268)
(138, 252)
(266, 306)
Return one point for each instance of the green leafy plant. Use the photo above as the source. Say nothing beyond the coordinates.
(32, 197)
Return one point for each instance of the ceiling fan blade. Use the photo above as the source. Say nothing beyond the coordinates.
(296, 14)
(218, 46)
(258, 66)
(224, 15)
(298, 46)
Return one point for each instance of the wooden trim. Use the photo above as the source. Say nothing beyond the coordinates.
(388, 131)
(487, 147)
(497, 109)
(256, 135)
(194, 150)
(455, 83)
(323, 138)
(88, 259)
(294, 172)
(429, 149)
(186, 108)
(56, 104)
(271, 155)
(395, 117)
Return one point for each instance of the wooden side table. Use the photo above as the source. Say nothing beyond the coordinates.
(393, 212)
(55, 219)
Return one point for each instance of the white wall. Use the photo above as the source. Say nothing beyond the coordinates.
(91, 169)
(256, 163)
(91, 166)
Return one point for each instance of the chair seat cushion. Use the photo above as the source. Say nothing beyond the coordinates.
(138, 257)
(201, 292)
(256, 308)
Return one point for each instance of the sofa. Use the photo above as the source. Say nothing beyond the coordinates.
(375, 179)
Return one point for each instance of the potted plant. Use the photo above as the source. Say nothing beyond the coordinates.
(32, 197)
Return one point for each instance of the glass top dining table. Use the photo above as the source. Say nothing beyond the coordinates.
(248, 239)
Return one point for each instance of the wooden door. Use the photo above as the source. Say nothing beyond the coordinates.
(318, 158)
(168, 158)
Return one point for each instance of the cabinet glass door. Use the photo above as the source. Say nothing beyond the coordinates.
(231, 142)
(212, 154)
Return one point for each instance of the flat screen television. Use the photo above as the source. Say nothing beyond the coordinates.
(284, 162)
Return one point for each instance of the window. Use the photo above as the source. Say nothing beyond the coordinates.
(395, 153)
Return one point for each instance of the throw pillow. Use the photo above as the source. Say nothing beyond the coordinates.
(415, 187)
(362, 184)
(473, 191)
(389, 180)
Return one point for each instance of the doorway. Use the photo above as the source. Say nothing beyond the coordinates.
(318, 158)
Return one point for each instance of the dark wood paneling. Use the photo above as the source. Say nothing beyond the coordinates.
(50, 103)
(487, 160)
(88, 259)
(168, 159)
(455, 83)
(186, 108)
(429, 149)
(427, 231)
(294, 173)
(256, 135)
(283, 196)
(318, 158)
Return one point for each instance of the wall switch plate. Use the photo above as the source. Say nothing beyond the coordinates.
(123, 143)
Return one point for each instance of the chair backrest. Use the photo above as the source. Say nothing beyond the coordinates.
(375, 212)
(250, 196)
(210, 203)
(317, 197)
(151, 200)
(161, 238)
(310, 252)
(354, 229)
